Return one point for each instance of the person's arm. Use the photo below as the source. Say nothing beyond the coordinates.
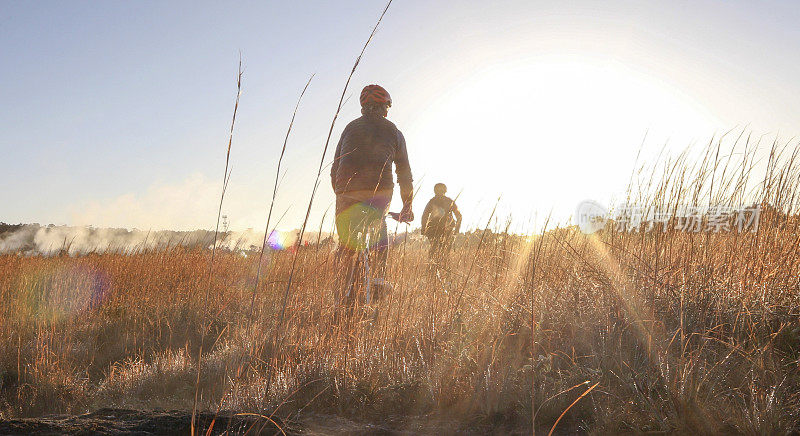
(426, 215)
(404, 178)
(457, 213)
(335, 164)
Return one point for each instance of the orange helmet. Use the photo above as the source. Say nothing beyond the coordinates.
(374, 94)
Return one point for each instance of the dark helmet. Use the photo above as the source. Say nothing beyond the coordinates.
(439, 189)
(374, 94)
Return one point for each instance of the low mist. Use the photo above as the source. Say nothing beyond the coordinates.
(35, 239)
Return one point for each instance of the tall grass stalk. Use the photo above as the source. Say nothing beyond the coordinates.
(274, 195)
(225, 180)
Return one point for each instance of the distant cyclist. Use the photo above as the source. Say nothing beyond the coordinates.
(361, 176)
(441, 220)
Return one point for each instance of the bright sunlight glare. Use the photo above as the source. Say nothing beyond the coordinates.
(498, 129)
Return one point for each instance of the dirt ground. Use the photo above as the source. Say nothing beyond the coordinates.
(132, 422)
(135, 422)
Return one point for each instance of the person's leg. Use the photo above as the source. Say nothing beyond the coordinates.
(432, 248)
(444, 251)
(379, 242)
(377, 207)
(440, 247)
(381, 247)
(448, 243)
(347, 230)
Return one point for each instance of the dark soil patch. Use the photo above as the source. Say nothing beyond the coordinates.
(161, 422)
(134, 422)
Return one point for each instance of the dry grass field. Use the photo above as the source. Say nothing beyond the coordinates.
(618, 331)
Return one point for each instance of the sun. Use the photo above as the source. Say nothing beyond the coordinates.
(551, 132)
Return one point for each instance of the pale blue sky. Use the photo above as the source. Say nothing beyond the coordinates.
(116, 113)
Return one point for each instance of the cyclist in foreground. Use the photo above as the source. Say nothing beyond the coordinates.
(361, 176)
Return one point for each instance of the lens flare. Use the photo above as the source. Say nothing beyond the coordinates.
(354, 223)
(278, 240)
(60, 293)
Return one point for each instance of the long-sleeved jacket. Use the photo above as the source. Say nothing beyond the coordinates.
(364, 156)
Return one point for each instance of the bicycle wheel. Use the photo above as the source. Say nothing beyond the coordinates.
(355, 282)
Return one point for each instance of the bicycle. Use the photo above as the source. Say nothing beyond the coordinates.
(360, 284)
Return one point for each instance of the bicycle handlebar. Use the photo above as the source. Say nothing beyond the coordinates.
(396, 216)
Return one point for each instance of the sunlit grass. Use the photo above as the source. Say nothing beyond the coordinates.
(680, 330)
